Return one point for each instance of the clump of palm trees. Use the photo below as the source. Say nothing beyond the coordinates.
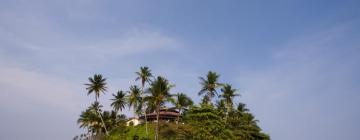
(154, 93)
(97, 85)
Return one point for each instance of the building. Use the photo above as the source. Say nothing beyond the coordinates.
(133, 122)
(165, 115)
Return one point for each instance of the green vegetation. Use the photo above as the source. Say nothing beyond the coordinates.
(204, 121)
(131, 132)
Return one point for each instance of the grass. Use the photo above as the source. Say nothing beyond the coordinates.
(128, 133)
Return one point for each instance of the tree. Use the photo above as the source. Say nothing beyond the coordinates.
(134, 98)
(96, 108)
(97, 85)
(205, 100)
(209, 85)
(242, 108)
(144, 76)
(244, 125)
(228, 94)
(221, 108)
(113, 120)
(159, 94)
(182, 102)
(91, 119)
(206, 123)
(119, 101)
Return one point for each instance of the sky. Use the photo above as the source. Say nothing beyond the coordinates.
(295, 63)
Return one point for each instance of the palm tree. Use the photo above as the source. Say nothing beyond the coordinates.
(249, 127)
(111, 119)
(89, 119)
(144, 75)
(97, 85)
(205, 100)
(209, 85)
(228, 94)
(182, 102)
(96, 108)
(242, 108)
(134, 98)
(221, 108)
(159, 94)
(119, 101)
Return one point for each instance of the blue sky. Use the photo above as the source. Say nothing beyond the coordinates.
(295, 62)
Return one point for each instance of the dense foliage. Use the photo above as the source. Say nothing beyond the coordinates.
(205, 121)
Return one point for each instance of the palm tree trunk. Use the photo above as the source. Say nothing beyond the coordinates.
(157, 122)
(106, 132)
(135, 116)
(146, 123)
(227, 113)
(209, 96)
(178, 119)
(101, 117)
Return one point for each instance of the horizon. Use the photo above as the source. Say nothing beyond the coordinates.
(295, 63)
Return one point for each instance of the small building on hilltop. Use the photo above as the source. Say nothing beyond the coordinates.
(133, 122)
(164, 115)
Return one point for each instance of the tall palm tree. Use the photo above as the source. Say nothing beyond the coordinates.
(228, 94)
(96, 108)
(144, 75)
(182, 102)
(134, 98)
(119, 101)
(209, 85)
(97, 85)
(159, 94)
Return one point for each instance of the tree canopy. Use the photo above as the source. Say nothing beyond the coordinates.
(228, 119)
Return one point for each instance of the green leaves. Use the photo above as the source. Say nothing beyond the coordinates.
(119, 101)
(206, 123)
(182, 101)
(209, 85)
(159, 91)
(144, 75)
(134, 96)
(97, 85)
(244, 125)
